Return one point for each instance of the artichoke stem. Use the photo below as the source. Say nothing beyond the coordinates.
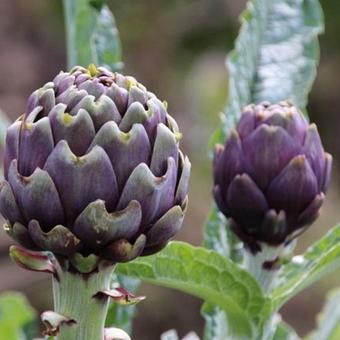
(264, 265)
(73, 296)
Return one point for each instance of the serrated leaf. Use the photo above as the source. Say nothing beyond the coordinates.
(275, 56)
(207, 275)
(105, 44)
(15, 315)
(92, 36)
(329, 319)
(319, 260)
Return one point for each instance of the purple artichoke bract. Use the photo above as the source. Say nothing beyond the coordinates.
(94, 168)
(271, 176)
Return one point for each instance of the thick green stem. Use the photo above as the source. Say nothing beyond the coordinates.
(74, 298)
(262, 265)
(265, 267)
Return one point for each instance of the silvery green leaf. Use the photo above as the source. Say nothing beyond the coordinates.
(303, 270)
(92, 35)
(329, 319)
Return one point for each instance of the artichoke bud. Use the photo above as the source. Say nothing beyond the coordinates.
(271, 176)
(93, 170)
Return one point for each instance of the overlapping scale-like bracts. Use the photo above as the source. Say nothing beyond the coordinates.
(94, 168)
(271, 176)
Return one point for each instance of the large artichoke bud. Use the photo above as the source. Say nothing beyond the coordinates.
(271, 176)
(94, 167)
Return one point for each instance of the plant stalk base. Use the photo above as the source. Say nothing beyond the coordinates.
(73, 297)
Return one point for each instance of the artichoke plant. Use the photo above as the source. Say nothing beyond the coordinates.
(271, 176)
(93, 167)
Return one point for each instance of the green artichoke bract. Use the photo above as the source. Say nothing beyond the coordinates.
(94, 168)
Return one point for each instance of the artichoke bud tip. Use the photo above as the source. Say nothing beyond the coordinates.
(178, 136)
(92, 70)
(68, 118)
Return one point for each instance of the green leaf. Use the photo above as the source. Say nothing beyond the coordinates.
(319, 260)
(275, 56)
(207, 275)
(329, 319)
(285, 332)
(217, 236)
(92, 36)
(15, 315)
(106, 45)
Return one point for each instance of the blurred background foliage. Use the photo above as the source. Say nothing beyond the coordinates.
(177, 49)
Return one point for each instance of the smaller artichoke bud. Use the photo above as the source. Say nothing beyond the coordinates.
(93, 170)
(271, 176)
